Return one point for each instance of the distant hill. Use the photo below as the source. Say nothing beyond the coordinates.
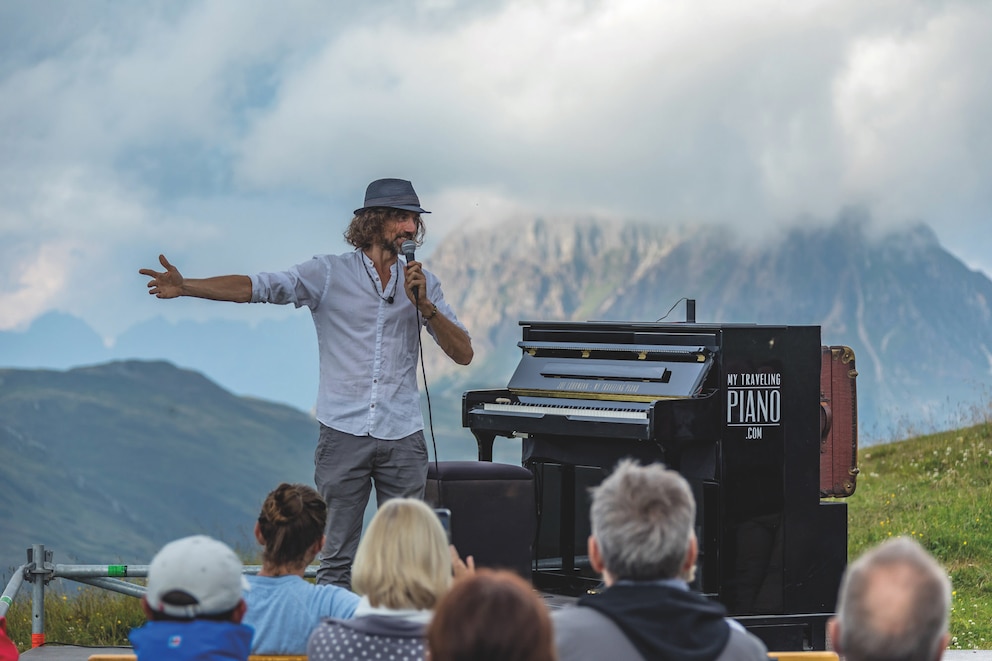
(272, 360)
(107, 463)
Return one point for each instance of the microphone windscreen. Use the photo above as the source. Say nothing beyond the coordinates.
(407, 248)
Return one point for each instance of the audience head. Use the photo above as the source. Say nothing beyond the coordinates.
(367, 227)
(491, 616)
(894, 605)
(195, 578)
(643, 521)
(403, 560)
(291, 525)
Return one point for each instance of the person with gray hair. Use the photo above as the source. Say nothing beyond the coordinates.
(894, 605)
(644, 545)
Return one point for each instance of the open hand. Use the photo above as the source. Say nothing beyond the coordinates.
(164, 284)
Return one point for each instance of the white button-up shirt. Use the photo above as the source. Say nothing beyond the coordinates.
(368, 347)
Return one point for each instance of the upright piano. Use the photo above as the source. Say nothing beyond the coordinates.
(739, 410)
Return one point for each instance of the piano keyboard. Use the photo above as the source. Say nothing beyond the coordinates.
(615, 414)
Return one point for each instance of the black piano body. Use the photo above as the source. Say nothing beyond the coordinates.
(734, 408)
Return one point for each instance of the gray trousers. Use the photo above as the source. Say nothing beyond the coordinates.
(344, 468)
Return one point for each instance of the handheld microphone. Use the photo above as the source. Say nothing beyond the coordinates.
(407, 249)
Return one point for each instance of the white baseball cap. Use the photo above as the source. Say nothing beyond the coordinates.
(195, 576)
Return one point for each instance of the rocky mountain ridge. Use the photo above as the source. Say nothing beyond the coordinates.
(919, 320)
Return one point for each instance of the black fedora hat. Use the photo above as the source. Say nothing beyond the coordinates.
(392, 193)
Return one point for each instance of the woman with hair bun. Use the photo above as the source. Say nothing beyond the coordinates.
(283, 607)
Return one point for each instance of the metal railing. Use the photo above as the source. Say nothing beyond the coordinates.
(39, 571)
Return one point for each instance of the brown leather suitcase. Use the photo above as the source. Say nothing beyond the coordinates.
(838, 422)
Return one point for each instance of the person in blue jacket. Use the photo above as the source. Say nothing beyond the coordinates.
(283, 608)
(194, 604)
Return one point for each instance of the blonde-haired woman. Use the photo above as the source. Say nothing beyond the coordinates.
(402, 568)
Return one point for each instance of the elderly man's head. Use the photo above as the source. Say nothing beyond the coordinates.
(643, 524)
(894, 605)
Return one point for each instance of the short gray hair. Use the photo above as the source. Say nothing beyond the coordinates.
(642, 518)
(908, 627)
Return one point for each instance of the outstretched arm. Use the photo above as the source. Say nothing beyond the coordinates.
(171, 284)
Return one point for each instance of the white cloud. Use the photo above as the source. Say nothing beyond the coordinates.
(35, 283)
(913, 110)
(729, 112)
(233, 135)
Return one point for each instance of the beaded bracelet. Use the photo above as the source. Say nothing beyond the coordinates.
(432, 314)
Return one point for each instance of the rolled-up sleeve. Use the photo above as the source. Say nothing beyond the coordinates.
(303, 284)
(436, 296)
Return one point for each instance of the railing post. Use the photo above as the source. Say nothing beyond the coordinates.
(38, 571)
(9, 592)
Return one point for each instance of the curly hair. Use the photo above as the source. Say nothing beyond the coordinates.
(366, 227)
(292, 521)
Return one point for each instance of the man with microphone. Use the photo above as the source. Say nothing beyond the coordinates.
(368, 334)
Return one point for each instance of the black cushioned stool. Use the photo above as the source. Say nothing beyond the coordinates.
(493, 515)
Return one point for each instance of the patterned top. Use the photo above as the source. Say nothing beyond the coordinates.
(372, 637)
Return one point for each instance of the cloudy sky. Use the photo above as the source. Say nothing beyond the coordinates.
(237, 136)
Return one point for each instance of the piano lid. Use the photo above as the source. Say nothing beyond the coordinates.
(610, 371)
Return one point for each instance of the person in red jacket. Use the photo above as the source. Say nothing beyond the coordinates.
(8, 650)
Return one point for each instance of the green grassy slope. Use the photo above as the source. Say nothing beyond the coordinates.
(936, 489)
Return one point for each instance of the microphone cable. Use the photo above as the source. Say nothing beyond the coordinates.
(408, 252)
(427, 392)
(684, 298)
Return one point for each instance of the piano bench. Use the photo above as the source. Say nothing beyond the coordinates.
(493, 512)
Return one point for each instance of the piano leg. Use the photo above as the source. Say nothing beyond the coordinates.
(566, 531)
(485, 442)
